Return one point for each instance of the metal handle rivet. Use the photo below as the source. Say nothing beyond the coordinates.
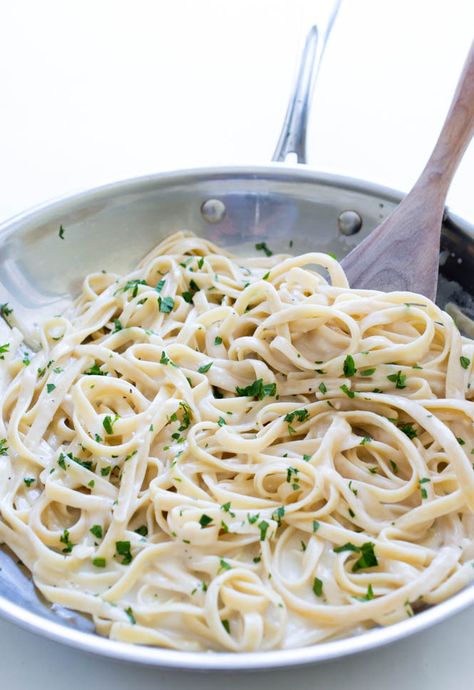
(349, 222)
(213, 210)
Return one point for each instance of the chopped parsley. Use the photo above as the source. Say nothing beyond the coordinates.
(394, 467)
(262, 246)
(50, 387)
(317, 586)
(133, 286)
(257, 389)
(316, 525)
(160, 285)
(347, 391)
(95, 370)
(164, 359)
(366, 440)
(217, 340)
(263, 527)
(129, 613)
(408, 429)
(64, 539)
(346, 547)
(61, 232)
(97, 531)
(278, 514)
(205, 368)
(189, 294)
(369, 596)
(423, 491)
(117, 326)
(123, 549)
(99, 562)
(226, 507)
(301, 415)
(29, 481)
(108, 423)
(166, 304)
(5, 310)
(142, 531)
(465, 362)
(226, 625)
(290, 472)
(322, 387)
(3, 349)
(253, 518)
(367, 559)
(105, 471)
(221, 421)
(3, 446)
(349, 366)
(187, 413)
(84, 463)
(205, 520)
(367, 372)
(398, 379)
(223, 565)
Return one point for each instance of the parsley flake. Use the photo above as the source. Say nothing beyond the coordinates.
(123, 549)
(129, 613)
(263, 527)
(205, 520)
(258, 390)
(347, 391)
(99, 562)
(317, 586)
(349, 366)
(97, 531)
(262, 246)
(398, 379)
(166, 304)
(3, 349)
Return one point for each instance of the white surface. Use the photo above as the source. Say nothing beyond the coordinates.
(95, 91)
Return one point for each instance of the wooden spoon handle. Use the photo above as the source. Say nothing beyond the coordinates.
(457, 130)
(403, 252)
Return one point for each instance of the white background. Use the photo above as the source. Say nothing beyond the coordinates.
(93, 91)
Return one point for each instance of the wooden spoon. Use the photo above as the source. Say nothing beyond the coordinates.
(402, 253)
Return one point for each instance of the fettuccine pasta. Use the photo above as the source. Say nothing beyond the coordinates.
(218, 453)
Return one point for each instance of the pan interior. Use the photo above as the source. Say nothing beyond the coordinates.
(292, 210)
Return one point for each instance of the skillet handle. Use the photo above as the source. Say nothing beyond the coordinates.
(293, 134)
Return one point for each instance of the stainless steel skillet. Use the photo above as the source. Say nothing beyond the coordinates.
(290, 208)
